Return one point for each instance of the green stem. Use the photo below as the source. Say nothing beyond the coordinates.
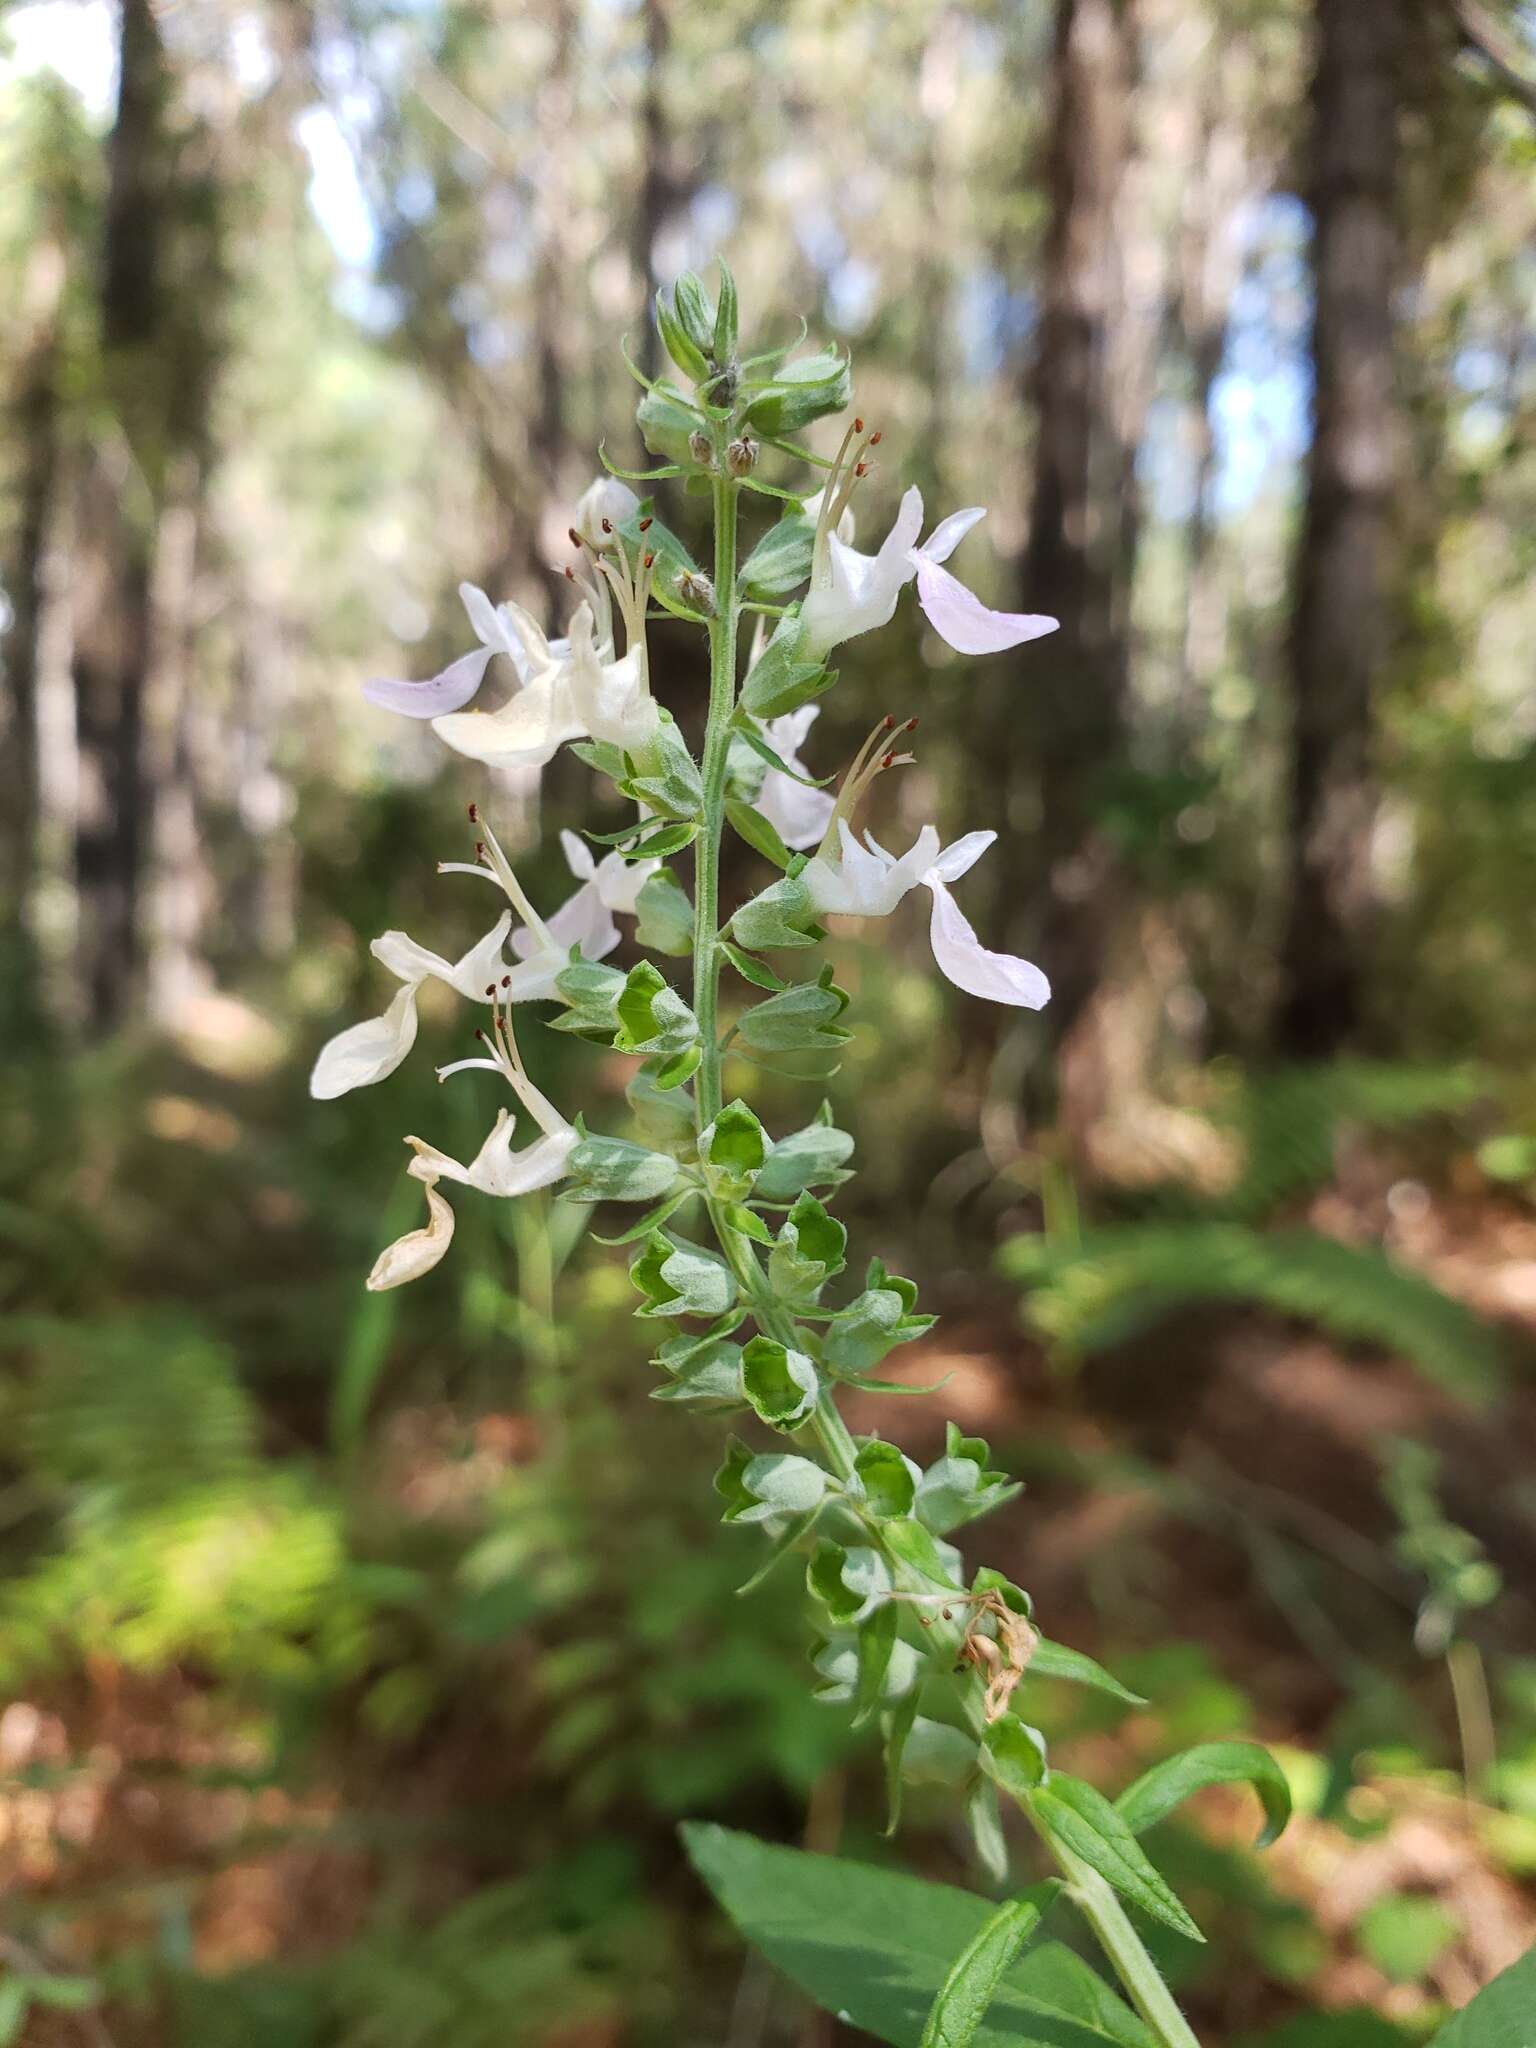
(717, 745)
(1124, 1947)
(1094, 1898)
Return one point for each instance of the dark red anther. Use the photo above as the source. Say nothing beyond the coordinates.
(575, 537)
(887, 760)
(858, 426)
(645, 525)
(910, 726)
(474, 814)
(481, 1036)
(570, 572)
(650, 561)
(506, 981)
(479, 849)
(490, 988)
(861, 469)
(876, 437)
(607, 526)
(889, 723)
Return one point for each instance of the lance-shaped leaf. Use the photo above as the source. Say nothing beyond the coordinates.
(1160, 1790)
(615, 1170)
(664, 915)
(762, 1488)
(1084, 1822)
(781, 561)
(937, 1753)
(679, 1278)
(731, 1151)
(799, 1017)
(810, 1158)
(781, 1384)
(977, 1972)
(877, 1648)
(652, 1017)
(808, 1253)
(592, 991)
(1055, 1660)
(782, 678)
(750, 825)
(961, 1485)
(779, 917)
(876, 1945)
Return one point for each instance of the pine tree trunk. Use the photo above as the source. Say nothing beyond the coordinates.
(1340, 627)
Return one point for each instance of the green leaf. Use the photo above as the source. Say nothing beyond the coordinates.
(1013, 1754)
(871, 1326)
(1405, 1936)
(652, 1017)
(876, 1947)
(899, 1723)
(1055, 1660)
(732, 1150)
(755, 829)
(780, 1384)
(781, 678)
(780, 916)
(802, 1015)
(808, 1254)
(666, 779)
(781, 561)
(961, 1485)
(1500, 2015)
(667, 424)
(664, 915)
(812, 1157)
(708, 1373)
(658, 845)
(887, 1477)
(978, 1970)
(1082, 1820)
(615, 1170)
(1160, 1790)
(876, 1652)
(758, 972)
(801, 393)
(679, 1278)
(593, 992)
(761, 1488)
(727, 315)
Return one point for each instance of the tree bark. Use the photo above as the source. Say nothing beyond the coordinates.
(1342, 596)
(115, 533)
(1074, 563)
(35, 423)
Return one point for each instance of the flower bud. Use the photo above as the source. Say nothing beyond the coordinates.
(741, 456)
(700, 447)
(605, 500)
(696, 591)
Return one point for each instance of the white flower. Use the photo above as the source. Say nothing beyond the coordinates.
(863, 880)
(419, 1250)
(617, 881)
(798, 814)
(604, 499)
(852, 593)
(501, 629)
(496, 1169)
(371, 1051)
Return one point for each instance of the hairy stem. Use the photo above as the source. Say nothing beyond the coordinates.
(1094, 1898)
(717, 743)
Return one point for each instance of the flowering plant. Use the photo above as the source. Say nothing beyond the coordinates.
(737, 1253)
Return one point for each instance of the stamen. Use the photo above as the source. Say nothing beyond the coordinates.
(872, 759)
(489, 850)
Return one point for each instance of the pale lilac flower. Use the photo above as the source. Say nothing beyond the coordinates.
(501, 629)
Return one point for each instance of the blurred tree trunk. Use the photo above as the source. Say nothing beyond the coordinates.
(1342, 585)
(114, 539)
(1074, 563)
(35, 429)
(653, 197)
